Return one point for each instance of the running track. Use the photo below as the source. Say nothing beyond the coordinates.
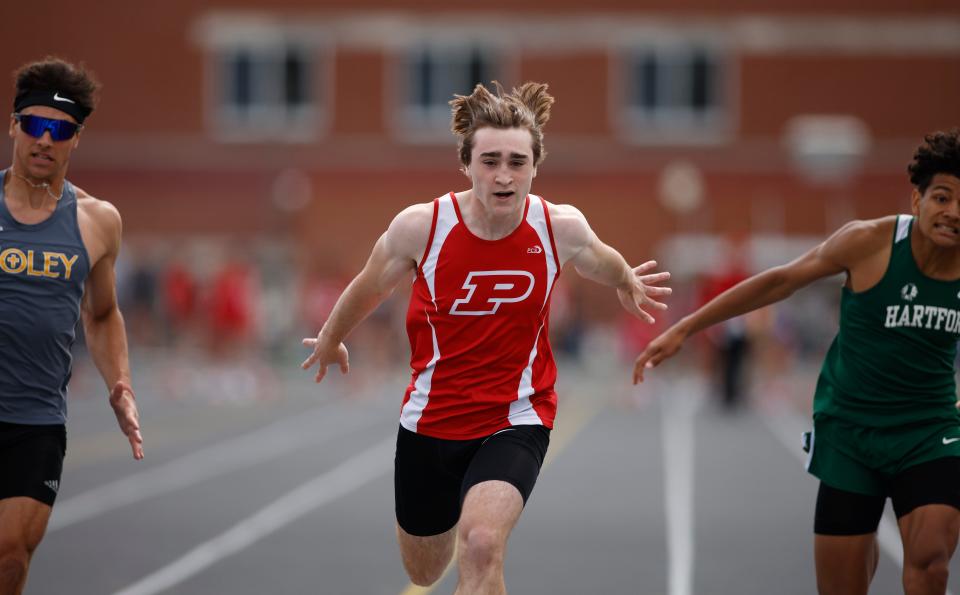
(651, 492)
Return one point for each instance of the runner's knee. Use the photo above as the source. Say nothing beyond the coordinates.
(424, 570)
(424, 575)
(425, 562)
(482, 546)
(13, 567)
(918, 578)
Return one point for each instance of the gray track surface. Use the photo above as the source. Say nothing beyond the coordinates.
(596, 522)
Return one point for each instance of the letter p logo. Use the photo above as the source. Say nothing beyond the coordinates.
(486, 290)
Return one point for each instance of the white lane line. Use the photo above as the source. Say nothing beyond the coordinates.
(788, 430)
(323, 489)
(244, 451)
(678, 409)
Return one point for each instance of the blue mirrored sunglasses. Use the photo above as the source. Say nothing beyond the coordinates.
(35, 126)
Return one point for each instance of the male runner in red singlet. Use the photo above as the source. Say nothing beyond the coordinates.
(476, 418)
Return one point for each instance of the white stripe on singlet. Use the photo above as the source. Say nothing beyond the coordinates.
(420, 395)
(521, 410)
(903, 226)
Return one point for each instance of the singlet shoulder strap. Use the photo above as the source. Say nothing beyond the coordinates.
(433, 230)
(538, 216)
(902, 231)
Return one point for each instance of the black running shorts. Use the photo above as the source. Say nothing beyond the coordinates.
(31, 461)
(841, 512)
(432, 476)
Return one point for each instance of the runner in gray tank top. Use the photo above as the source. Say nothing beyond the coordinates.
(58, 246)
(885, 417)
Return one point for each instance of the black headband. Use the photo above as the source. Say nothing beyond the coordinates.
(53, 99)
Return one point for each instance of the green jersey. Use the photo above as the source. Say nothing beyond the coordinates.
(892, 362)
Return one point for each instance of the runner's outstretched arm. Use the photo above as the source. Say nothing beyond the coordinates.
(594, 260)
(394, 256)
(835, 255)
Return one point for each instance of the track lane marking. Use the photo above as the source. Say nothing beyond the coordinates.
(247, 450)
(323, 489)
(677, 418)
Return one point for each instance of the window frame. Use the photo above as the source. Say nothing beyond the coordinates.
(270, 117)
(419, 124)
(678, 123)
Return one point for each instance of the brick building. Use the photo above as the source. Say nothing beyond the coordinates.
(318, 120)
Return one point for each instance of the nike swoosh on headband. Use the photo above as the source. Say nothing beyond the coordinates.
(56, 97)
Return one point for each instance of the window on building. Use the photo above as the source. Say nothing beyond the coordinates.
(674, 93)
(432, 75)
(266, 92)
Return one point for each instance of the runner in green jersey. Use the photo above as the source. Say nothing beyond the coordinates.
(885, 421)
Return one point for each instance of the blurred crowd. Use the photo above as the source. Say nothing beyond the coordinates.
(222, 319)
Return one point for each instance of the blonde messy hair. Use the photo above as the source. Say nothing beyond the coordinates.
(525, 107)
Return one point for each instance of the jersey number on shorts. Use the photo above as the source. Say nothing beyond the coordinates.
(486, 290)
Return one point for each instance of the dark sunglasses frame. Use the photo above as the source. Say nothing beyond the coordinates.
(35, 126)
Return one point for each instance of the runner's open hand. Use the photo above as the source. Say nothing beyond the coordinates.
(639, 294)
(124, 405)
(326, 354)
(664, 346)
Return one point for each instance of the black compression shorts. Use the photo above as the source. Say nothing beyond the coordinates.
(432, 475)
(31, 461)
(841, 512)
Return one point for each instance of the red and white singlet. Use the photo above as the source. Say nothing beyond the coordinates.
(477, 324)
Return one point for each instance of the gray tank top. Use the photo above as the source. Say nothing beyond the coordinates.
(42, 272)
